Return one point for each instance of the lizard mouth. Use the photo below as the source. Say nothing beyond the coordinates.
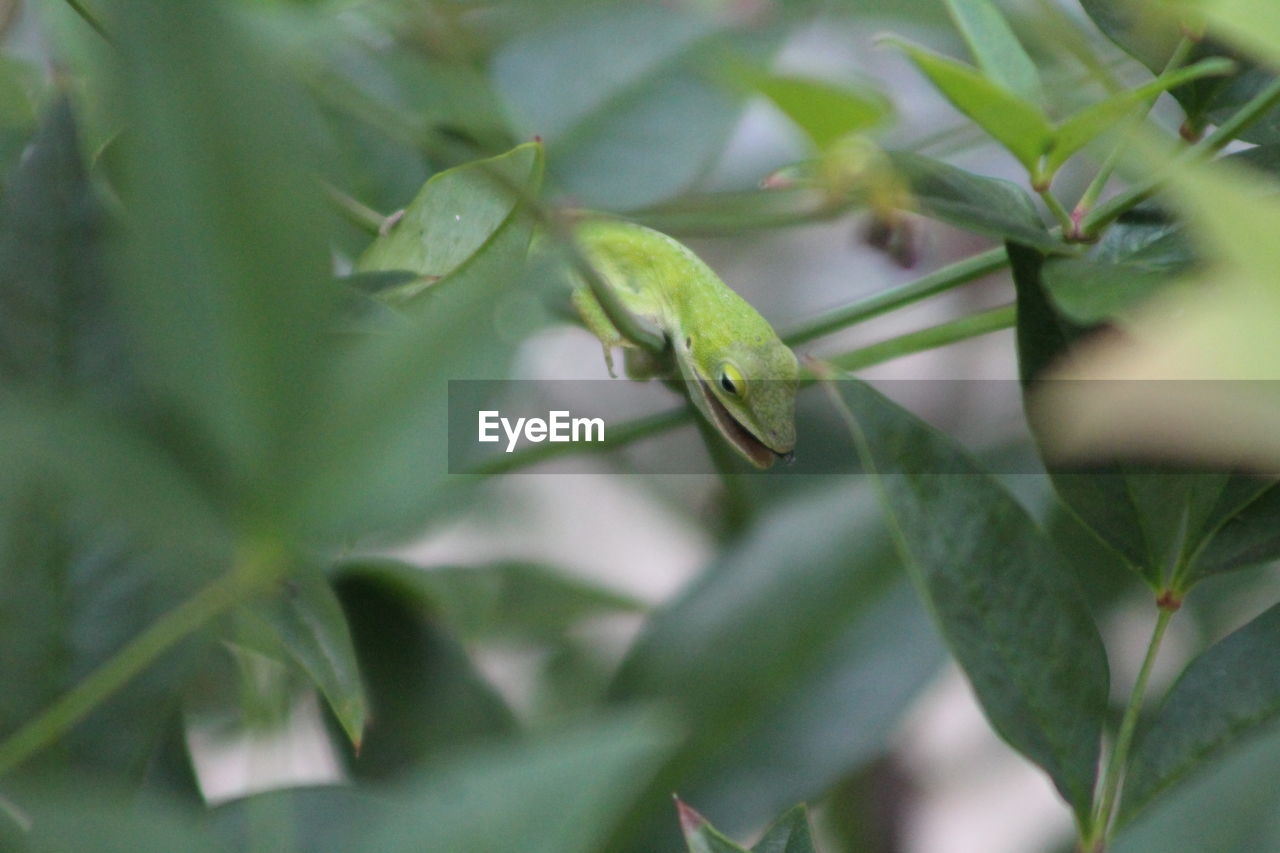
(757, 452)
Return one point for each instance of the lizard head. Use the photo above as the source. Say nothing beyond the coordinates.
(746, 387)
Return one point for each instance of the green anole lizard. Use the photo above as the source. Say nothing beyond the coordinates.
(732, 364)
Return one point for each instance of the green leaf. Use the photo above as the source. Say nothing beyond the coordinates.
(452, 218)
(826, 112)
(788, 834)
(700, 836)
(818, 652)
(1231, 807)
(1228, 694)
(990, 206)
(558, 793)
(1085, 126)
(995, 48)
(58, 328)
(376, 457)
(76, 590)
(616, 93)
(498, 601)
(225, 285)
(1147, 32)
(1248, 537)
(426, 697)
(85, 816)
(1155, 517)
(1137, 257)
(308, 619)
(1007, 605)
(1020, 126)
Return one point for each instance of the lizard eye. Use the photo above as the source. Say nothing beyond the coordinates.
(731, 380)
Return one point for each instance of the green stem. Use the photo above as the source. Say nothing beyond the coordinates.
(137, 655)
(944, 334)
(953, 275)
(1104, 813)
(358, 214)
(1059, 212)
(1257, 106)
(1099, 182)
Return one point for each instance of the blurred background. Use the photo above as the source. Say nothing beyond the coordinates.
(643, 112)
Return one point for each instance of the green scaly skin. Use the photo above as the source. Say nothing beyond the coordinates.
(736, 370)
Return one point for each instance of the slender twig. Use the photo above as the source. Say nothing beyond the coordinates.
(1059, 212)
(941, 335)
(893, 298)
(175, 626)
(1257, 106)
(357, 213)
(1100, 180)
(1104, 811)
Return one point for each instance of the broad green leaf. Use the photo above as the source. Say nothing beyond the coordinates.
(1230, 807)
(788, 834)
(826, 112)
(307, 618)
(1007, 605)
(226, 285)
(453, 217)
(1228, 694)
(700, 836)
(426, 697)
(377, 455)
(989, 206)
(798, 617)
(1017, 124)
(1137, 257)
(1147, 31)
(1085, 126)
(995, 48)
(560, 792)
(505, 600)
(1248, 537)
(615, 92)
(82, 815)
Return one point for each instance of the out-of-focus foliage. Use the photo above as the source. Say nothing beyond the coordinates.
(224, 384)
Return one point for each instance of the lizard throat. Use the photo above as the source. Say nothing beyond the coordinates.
(756, 451)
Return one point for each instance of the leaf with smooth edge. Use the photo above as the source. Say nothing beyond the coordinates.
(826, 112)
(1253, 24)
(805, 690)
(427, 698)
(1138, 256)
(377, 456)
(617, 93)
(1249, 537)
(452, 217)
(307, 618)
(1005, 601)
(990, 206)
(1227, 694)
(995, 48)
(1018, 125)
(788, 834)
(558, 792)
(1085, 126)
